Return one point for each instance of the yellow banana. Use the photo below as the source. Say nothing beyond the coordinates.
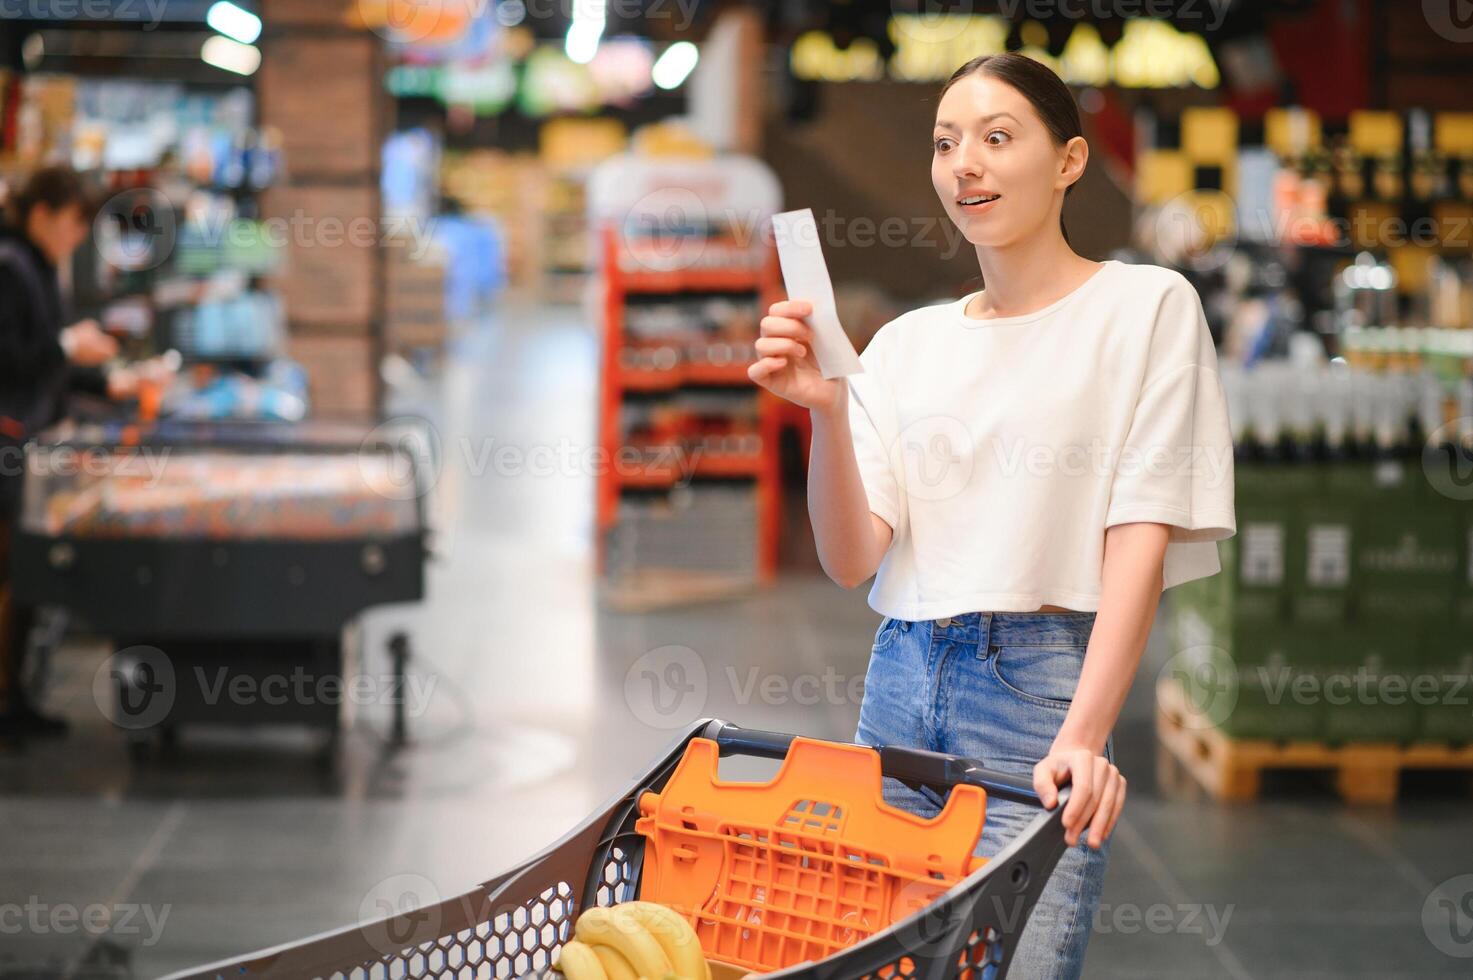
(675, 935)
(614, 963)
(577, 961)
(622, 931)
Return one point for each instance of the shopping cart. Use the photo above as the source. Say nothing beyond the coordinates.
(513, 925)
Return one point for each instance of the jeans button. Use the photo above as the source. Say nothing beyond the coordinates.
(944, 622)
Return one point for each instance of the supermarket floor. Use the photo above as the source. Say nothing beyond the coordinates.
(530, 714)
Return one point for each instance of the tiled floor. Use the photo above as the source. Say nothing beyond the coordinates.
(535, 714)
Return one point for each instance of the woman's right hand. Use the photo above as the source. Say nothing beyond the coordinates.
(786, 365)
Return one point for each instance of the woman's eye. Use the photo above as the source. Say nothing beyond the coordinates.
(997, 137)
(942, 145)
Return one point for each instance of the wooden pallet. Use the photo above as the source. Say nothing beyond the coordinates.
(1230, 768)
(652, 589)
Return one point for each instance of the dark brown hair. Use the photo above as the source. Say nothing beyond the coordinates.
(1037, 83)
(56, 187)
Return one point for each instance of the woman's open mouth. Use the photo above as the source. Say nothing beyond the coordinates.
(974, 203)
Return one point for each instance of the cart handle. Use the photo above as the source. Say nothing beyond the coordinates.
(937, 770)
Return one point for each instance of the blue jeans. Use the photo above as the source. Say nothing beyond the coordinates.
(995, 687)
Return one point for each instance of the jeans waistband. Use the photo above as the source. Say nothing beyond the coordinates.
(1017, 628)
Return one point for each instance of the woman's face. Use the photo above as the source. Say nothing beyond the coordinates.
(995, 165)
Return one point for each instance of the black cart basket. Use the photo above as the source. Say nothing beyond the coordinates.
(513, 925)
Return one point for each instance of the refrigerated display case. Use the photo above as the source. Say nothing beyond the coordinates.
(247, 548)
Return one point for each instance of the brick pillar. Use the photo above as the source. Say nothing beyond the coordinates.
(321, 86)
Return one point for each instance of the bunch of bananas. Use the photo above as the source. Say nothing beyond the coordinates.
(633, 941)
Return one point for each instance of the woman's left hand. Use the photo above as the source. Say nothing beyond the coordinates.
(1097, 795)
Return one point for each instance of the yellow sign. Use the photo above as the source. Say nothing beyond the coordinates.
(929, 47)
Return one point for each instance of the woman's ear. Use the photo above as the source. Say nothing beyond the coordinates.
(1072, 163)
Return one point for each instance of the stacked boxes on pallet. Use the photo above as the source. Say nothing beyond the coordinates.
(1342, 612)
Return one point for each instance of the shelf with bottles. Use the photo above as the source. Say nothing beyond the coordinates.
(675, 339)
(180, 231)
(674, 437)
(1392, 393)
(678, 409)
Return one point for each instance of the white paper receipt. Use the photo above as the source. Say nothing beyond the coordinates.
(806, 277)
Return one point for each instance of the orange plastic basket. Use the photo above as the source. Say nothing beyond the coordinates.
(772, 874)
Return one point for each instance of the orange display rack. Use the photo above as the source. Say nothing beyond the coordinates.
(633, 268)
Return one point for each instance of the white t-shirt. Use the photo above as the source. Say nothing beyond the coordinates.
(999, 450)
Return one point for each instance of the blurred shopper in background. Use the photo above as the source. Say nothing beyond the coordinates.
(42, 361)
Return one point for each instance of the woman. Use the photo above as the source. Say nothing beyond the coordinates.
(1026, 469)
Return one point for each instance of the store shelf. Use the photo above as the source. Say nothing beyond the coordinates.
(722, 466)
(674, 401)
(692, 280)
(686, 374)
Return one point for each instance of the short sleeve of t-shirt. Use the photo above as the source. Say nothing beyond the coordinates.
(1176, 465)
(871, 422)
